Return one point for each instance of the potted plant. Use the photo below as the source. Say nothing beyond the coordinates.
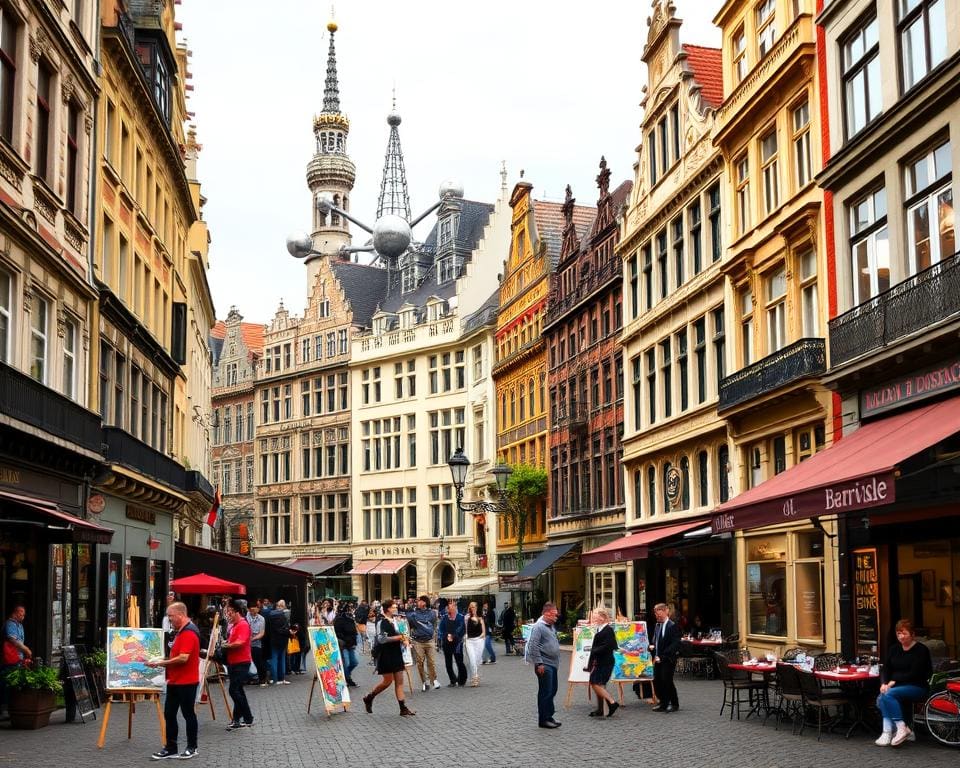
(95, 663)
(32, 695)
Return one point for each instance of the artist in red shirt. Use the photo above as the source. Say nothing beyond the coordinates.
(183, 677)
(238, 662)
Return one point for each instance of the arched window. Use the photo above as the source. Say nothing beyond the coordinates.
(513, 406)
(523, 403)
(703, 479)
(651, 491)
(723, 462)
(533, 407)
(684, 483)
(503, 408)
(637, 492)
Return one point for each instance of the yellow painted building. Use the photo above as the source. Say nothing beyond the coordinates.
(777, 410)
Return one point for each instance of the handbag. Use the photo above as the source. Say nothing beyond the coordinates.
(293, 645)
(11, 654)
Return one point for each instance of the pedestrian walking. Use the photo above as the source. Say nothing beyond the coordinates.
(423, 622)
(508, 621)
(453, 630)
(345, 629)
(183, 676)
(238, 649)
(600, 663)
(278, 628)
(489, 615)
(258, 628)
(389, 658)
(664, 649)
(475, 641)
(543, 651)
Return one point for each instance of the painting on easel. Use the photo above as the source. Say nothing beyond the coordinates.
(631, 660)
(326, 654)
(128, 651)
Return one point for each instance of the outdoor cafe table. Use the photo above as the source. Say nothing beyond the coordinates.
(759, 668)
(860, 684)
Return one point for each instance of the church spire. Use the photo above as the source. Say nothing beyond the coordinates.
(331, 88)
(394, 197)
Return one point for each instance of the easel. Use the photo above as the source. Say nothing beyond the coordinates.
(131, 697)
(344, 704)
(203, 692)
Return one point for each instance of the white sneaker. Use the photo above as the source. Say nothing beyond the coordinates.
(284, 682)
(425, 687)
(885, 738)
(436, 684)
(902, 734)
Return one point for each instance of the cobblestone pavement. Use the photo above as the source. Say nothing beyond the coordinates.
(493, 725)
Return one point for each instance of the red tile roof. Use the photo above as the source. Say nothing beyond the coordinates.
(252, 335)
(706, 65)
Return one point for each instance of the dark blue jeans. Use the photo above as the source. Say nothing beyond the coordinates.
(350, 661)
(546, 690)
(891, 703)
(278, 662)
(488, 648)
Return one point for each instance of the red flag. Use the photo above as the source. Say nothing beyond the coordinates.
(214, 514)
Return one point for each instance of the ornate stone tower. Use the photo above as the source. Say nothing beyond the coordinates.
(331, 172)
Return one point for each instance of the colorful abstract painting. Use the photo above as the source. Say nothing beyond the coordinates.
(326, 654)
(128, 651)
(632, 661)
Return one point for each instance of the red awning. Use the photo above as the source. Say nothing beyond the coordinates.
(72, 528)
(388, 567)
(204, 584)
(856, 472)
(636, 545)
(363, 567)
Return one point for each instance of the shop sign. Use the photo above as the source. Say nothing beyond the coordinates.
(96, 503)
(147, 516)
(910, 389)
(866, 599)
(388, 551)
(9, 476)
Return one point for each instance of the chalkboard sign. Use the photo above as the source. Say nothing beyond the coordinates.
(77, 680)
(866, 599)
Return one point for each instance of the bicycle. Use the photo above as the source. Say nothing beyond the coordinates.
(942, 714)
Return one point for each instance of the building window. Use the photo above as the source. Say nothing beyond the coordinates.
(930, 227)
(42, 127)
(776, 310)
(342, 341)
(250, 423)
(232, 370)
(634, 287)
(662, 263)
(766, 27)
(771, 172)
(651, 361)
(652, 150)
(477, 362)
(716, 236)
(73, 137)
(684, 482)
(637, 390)
(6, 307)
(723, 472)
(447, 433)
(861, 77)
(740, 64)
(869, 246)
(677, 231)
(700, 354)
(666, 371)
(746, 327)
(719, 344)
(923, 38)
(703, 480)
(227, 424)
(801, 144)
(767, 584)
(238, 435)
(754, 466)
(809, 306)
(8, 72)
(651, 491)
(70, 359)
(381, 444)
(683, 370)
(275, 521)
(742, 165)
(441, 512)
(39, 324)
(647, 276)
(694, 229)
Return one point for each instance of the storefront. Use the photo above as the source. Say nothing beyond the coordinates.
(833, 551)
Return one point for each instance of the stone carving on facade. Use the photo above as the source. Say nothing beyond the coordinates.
(68, 88)
(39, 42)
(11, 173)
(61, 322)
(44, 204)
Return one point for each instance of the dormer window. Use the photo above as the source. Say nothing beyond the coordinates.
(449, 268)
(408, 274)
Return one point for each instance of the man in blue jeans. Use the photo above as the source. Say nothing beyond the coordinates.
(543, 651)
(278, 628)
(490, 621)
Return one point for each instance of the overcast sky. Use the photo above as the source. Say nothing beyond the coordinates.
(546, 87)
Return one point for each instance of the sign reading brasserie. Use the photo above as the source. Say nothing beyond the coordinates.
(866, 599)
(910, 389)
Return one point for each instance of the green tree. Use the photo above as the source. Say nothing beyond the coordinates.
(526, 491)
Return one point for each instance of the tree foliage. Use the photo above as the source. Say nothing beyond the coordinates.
(526, 491)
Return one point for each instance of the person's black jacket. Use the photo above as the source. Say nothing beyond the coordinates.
(509, 620)
(604, 644)
(670, 642)
(346, 630)
(278, 628)
(361, 613)
(490, 620)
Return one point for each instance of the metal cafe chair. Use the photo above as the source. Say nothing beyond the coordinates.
(820, 700)
(735, 683)
(789, 696)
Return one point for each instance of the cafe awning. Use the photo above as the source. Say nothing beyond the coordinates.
(61, 526)
(856, 472)
(388, 567)
(478, 585)
(314, 566)
(544, 560)
(636, 546)
(363, 567)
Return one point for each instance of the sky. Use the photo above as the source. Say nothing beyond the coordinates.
(546, 88)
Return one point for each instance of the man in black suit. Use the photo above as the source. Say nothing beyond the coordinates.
(664, 649)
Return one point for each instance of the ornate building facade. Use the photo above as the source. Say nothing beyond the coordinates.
(583, 321)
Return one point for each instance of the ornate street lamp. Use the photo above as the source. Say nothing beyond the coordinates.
(459, 466)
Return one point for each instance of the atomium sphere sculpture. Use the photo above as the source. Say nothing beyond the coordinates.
(391, 236)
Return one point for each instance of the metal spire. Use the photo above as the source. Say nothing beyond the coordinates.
(331, 89)
(394, 197)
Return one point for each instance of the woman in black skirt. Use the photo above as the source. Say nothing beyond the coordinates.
(389, 658)
(600, 663)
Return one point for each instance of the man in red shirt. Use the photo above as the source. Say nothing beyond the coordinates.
(238, 662)
(183, 677)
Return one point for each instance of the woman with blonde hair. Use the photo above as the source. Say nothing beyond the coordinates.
(600, 663)
(476, 630)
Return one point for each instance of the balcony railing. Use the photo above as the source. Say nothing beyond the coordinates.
(919, 302)
(197, 483)
(29, 401)
(800, 360)
(558, 305)
(124, 448)
(571, 415)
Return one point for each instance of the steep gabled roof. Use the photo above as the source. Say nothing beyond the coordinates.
(549, 220)
(363, 285)
(707, 67)
(251, 333)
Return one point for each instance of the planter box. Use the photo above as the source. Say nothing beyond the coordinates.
(30, 709)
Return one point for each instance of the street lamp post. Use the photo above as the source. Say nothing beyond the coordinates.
(459, 467)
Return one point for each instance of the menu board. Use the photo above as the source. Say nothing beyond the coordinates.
(809, 601)
(866, 599)
(77, 680)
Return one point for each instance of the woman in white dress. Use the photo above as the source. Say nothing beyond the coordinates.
(476, 633)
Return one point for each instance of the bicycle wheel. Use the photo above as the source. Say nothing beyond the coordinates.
(942, 713)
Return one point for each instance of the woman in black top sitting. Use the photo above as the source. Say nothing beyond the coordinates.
(600, 663)
(389, 658)
(905, 679)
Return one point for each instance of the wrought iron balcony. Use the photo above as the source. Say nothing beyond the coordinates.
(919, 302)
(29, 401)
(123, 448)
(197, 483)
(800, 360)
(571, 415)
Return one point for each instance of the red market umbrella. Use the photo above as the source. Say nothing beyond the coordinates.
(203, 584)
